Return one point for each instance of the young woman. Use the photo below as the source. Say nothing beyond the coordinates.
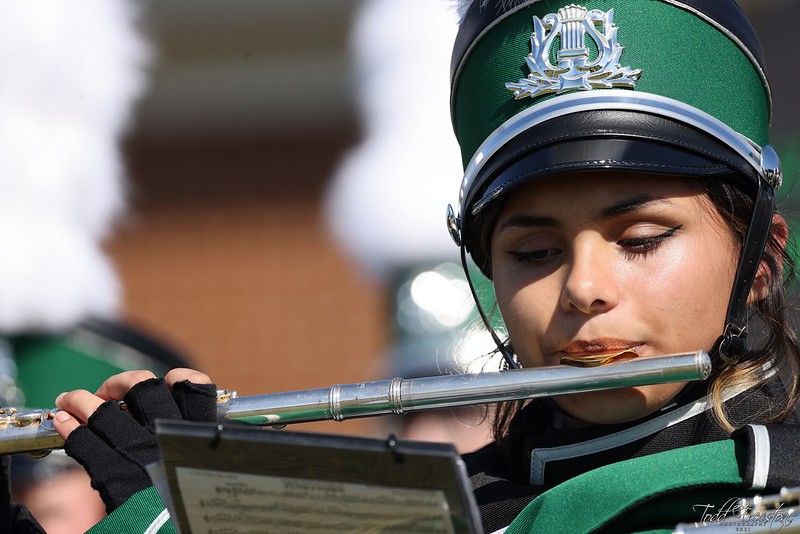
(619, 193)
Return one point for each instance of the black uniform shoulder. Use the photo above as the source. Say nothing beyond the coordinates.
(499, 497)
(771, 454)
(14, 518)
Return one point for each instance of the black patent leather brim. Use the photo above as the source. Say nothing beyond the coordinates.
(594, 140)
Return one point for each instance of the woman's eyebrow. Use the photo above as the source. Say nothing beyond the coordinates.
(523, 220)
(634, 203)
(630, 204)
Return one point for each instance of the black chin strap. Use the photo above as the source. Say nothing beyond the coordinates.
(731, 344)
(509, 358)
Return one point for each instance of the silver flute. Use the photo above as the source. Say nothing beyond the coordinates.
(33, 432)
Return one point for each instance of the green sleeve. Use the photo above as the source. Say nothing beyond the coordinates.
(143, 512)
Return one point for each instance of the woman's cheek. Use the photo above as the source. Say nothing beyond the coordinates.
(523, 316)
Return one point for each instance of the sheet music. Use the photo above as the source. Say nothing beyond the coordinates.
(235, 479)
(227, 502)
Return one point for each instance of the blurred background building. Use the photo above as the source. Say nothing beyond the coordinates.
(226, 251)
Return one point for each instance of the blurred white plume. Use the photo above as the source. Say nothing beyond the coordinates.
(387, 202)
(69, 73)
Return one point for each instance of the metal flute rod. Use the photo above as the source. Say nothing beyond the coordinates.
(33, 432)
(398, 396)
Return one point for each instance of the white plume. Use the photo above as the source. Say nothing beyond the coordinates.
(69, 72)
(388, 198)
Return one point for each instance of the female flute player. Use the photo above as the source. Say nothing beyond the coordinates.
(619, 193)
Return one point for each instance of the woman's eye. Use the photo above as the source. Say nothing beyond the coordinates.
(645, 244)
(534, 256)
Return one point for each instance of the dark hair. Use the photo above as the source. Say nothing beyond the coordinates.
(774, 354)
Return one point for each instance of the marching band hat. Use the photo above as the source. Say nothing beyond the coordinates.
(671, 87)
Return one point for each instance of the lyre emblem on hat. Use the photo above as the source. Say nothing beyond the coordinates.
(575, 70)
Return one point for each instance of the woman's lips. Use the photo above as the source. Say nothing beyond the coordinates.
(597, 352)
(599, 359)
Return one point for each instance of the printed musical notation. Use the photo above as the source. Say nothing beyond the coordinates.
(225, 502)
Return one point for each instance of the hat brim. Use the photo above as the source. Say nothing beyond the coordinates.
(608, 139)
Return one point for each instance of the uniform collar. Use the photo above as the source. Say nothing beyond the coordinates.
(547, 455)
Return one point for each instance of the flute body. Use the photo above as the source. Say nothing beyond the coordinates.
(33, 431)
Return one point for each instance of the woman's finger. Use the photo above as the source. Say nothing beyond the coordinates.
(180, 374)
(65, 424)
(118, 385)
(79, 403)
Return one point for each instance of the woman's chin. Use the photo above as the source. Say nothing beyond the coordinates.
(617, 405)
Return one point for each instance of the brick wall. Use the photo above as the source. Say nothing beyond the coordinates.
(225, 255)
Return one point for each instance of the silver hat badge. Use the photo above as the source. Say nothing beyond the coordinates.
(575, 70)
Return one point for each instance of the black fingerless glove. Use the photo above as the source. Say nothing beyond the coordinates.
(115, 445)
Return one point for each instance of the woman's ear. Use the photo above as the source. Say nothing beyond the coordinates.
(776, 244)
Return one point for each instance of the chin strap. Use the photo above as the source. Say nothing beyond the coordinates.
(731, 344)
(508, 356)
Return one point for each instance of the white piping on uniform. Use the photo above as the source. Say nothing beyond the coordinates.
(160, 520)
(761, 460)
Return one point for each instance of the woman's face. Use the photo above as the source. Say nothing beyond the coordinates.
(597, 263)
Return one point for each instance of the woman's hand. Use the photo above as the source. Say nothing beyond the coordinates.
(115, 445)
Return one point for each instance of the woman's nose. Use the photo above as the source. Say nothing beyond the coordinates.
(590, 285)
